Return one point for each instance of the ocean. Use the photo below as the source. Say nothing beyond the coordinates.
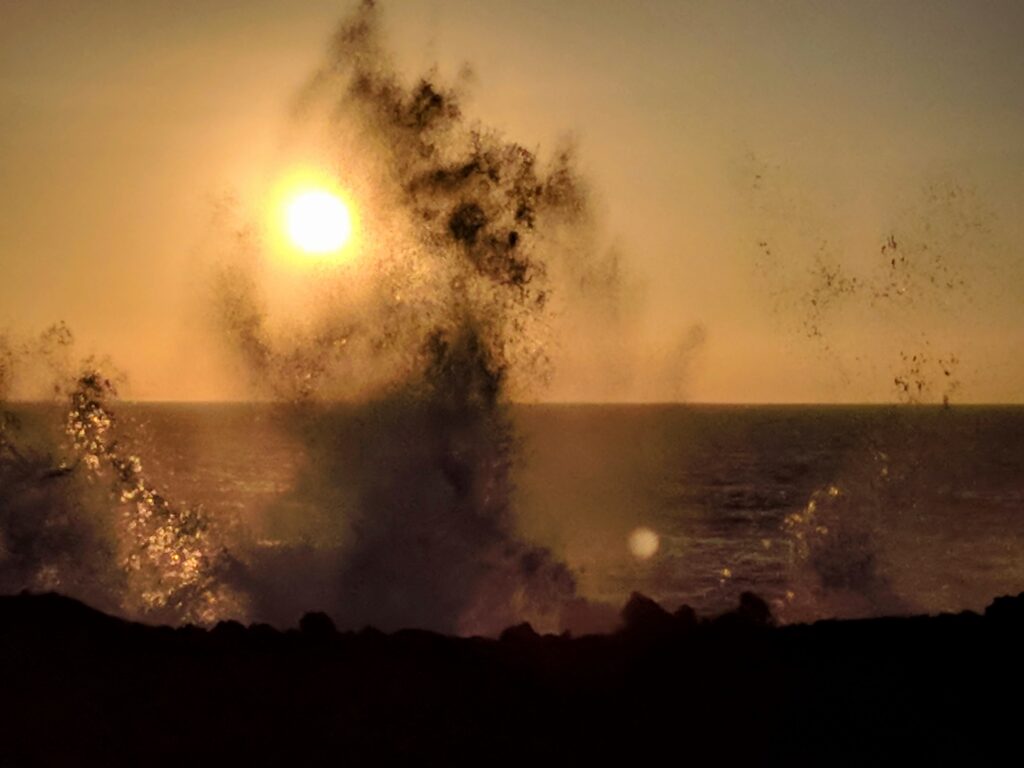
(825, 511)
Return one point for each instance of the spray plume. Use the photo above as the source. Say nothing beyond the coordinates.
(467, 235)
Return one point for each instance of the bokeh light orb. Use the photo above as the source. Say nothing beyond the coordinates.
(644, 543)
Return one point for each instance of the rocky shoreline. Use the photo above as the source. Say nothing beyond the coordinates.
(80, 687)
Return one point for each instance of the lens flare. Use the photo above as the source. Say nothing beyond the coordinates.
(318, 222)
(643, 543)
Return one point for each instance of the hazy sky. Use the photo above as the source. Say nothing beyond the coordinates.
(705, 128)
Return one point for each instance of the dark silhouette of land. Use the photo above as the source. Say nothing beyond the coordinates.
(78, 687)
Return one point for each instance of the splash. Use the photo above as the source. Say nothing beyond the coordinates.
(833, 541)
(466, 237)
(909, 287)
(174, 568)
(79, 514)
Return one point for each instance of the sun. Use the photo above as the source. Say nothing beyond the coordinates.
(318, 222)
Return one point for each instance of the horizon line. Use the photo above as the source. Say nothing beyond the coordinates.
(580, 403)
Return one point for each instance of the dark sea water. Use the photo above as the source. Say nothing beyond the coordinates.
(825, 511)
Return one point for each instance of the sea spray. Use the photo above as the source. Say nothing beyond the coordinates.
(78, 513)
(841, 542)
(175, 566)
(463, 232)
(50, 537)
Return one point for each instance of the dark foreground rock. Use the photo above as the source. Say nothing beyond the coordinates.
(78, 687)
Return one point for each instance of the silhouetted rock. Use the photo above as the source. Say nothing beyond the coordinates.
(229, 627)
(370, 633)
(754, 610)
(53, 611)
(230, 632)
(262, 630)
(520, 633)
(317, 624)
(1007, 609)
(685, 617)
(644, 615)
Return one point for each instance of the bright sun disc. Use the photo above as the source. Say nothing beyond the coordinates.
(318, 222)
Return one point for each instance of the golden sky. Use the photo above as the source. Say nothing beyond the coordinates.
(738, 154)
